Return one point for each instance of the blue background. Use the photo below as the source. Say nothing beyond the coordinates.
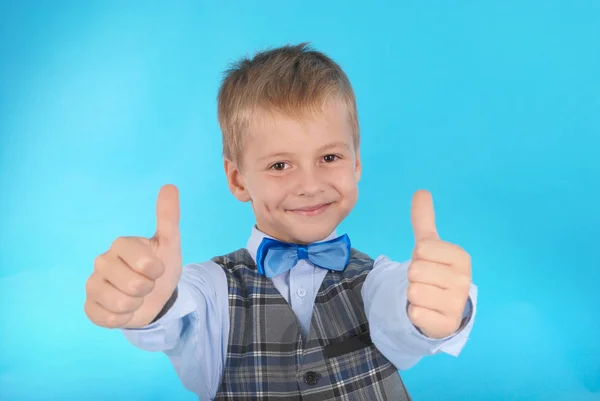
(492, 106)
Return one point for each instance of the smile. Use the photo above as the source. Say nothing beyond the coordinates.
(311, 210)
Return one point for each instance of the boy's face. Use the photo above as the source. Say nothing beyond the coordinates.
(300, 176)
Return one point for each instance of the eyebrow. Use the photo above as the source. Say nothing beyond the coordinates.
(275, 156)
(334, 145)
(321, 149)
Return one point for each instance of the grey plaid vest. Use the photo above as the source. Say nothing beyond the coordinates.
(267, 358)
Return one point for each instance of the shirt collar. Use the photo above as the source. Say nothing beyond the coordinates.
(257, 236)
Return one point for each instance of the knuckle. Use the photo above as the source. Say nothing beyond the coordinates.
(116, 243)
(100, 262)
(116, 320)
(418, 249)
(89, 285)
(421, 249)
(418, 316)
(144, 264)
(125, 304)
(150, 267)
(120, 243)
(413, 313)
(417, 264)
(413, 272)
(87, 311)
(95, 316)
(112, 320)
(103, 318)
(139, 286)
(412, 292)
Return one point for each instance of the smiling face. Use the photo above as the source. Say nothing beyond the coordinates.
(301, 176)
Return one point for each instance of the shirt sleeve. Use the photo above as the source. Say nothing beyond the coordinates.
(385, 299)
(194, 332)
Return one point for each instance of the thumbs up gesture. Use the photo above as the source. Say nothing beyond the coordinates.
(134, 279)
(439, 275)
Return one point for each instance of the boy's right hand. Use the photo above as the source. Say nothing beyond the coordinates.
(134, 279)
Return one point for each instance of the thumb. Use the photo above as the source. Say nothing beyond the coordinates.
(167, 214)
(423, 216)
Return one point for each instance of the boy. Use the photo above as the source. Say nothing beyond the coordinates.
(298, 314)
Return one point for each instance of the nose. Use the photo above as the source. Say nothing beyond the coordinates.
(309, 183)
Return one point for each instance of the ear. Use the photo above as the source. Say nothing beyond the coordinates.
(235, 181)
(358, 165)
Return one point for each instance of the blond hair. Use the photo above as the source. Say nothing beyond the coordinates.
(292, 80)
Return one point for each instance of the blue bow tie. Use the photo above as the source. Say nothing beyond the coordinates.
(275, 257)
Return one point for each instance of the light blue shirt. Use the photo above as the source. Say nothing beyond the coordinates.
(194, 333)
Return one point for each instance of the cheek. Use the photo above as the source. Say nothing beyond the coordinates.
(351, 191)
(345, 180)
(268, 192)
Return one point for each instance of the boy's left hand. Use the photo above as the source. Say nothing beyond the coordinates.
(439, 275)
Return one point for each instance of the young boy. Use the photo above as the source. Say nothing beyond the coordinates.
(298, 314)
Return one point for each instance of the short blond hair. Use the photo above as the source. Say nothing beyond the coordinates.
(292, 80)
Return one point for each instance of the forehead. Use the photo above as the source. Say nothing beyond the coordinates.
(332, 122)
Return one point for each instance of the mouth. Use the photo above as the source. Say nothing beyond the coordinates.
(312, 210)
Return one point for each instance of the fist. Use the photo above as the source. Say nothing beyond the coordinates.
(133, 280)
(439, 275)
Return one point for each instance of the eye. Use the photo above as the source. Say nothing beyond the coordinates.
(278, 166)
(330, 158)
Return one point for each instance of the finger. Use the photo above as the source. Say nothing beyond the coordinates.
(137, 254)
(167, 214)
(438, 275)
(101, 317)
(427, 296)
(109, 297)
(439, 251)
(114, 270)
(433, 323)
(423, 216)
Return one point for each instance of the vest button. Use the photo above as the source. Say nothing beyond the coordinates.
(311, 378)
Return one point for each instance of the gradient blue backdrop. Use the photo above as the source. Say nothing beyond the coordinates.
(492, 106)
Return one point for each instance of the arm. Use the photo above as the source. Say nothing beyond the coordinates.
(194, 331)
(385, 298)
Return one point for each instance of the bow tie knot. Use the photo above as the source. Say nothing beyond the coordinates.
(275, 257)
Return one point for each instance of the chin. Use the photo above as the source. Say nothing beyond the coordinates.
(308, 233)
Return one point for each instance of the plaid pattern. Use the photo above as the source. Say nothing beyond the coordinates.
(267, 358)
